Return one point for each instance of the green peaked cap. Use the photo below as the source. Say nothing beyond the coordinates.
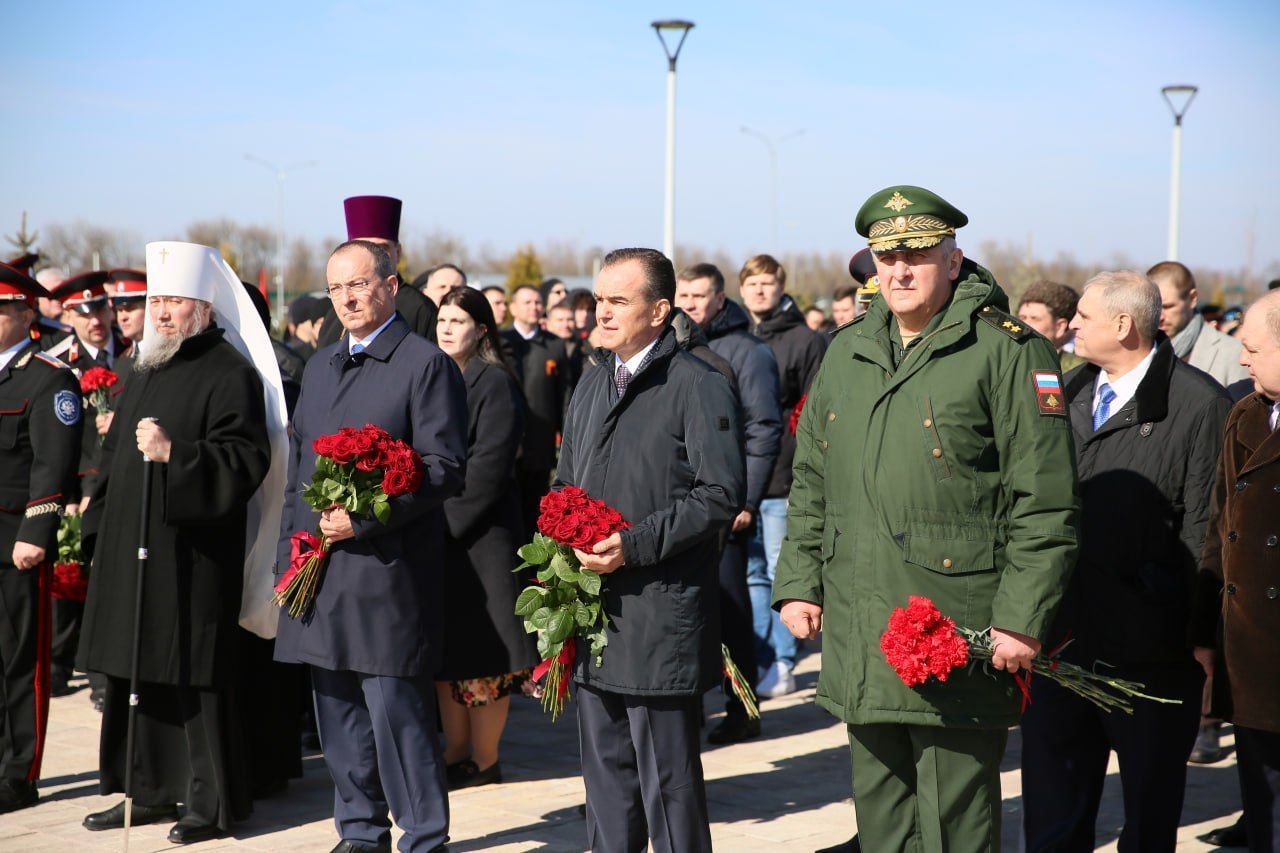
(907, 217)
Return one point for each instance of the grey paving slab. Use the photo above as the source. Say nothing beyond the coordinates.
(787, 790)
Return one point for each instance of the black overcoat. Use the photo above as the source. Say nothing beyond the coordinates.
(209, 399)
(669, 457)
(542, 366)
(1145, 481)
(483, 636)
(379, 608)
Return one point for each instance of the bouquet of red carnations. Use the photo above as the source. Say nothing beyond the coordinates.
(96, 384)
(69, 581)
(920, 643)
(565, 602)
(359, 470)
(793, 421)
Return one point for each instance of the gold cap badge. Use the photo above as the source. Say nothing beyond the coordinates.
(898, 202)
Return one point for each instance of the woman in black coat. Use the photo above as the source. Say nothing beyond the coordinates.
(487, 654)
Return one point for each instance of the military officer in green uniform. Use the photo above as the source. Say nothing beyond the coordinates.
(934, 458)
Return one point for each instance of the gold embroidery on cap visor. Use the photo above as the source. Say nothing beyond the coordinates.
(908, 232)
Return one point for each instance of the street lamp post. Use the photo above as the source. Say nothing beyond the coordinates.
(669, 203)
(772, 144)
(1178, 98)
(280, 174)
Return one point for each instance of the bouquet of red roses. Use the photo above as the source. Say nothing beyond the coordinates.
(359, 470)
(920, 643)
(565, 602)
(69, 581)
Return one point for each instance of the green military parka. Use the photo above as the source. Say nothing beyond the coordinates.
(951, 477)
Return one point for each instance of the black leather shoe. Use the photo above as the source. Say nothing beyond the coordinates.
(465, 774)
(1228, 836)
(60, 682)
(357, 847)
(853, 845)
(113, 818)
(734, 729)
(190, 830)
(17, 794)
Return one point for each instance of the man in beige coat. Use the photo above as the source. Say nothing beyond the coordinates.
(1194, 341)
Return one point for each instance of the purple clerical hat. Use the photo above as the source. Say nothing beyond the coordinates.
(373, 216)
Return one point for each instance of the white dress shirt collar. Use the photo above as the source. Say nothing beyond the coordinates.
(633, 363)
(367, 342)
(1125, 386)
(7, 355)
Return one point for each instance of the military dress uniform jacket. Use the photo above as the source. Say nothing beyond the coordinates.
(40, 426)
(948, 477)
(1239, 590)
(379, 609)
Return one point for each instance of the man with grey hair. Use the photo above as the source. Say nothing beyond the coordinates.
(1148, 429)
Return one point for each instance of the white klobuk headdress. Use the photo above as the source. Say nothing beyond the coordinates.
(199, 272)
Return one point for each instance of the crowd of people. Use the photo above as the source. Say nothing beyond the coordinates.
(1085, 475)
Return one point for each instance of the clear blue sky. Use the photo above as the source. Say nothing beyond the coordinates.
(506, 122)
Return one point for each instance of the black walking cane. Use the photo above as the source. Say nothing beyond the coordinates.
(143, 535)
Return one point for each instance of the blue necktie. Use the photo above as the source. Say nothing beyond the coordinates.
(356, 349)
(1100, 414)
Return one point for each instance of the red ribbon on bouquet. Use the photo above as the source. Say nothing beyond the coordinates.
(298, 557)
(565, 659)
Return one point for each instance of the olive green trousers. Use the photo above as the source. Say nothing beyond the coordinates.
(927, 789)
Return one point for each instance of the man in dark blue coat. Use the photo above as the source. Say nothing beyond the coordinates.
(700, 294)
(373, 637)
(654, 432)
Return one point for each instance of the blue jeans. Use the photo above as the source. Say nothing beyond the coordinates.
(773, 641)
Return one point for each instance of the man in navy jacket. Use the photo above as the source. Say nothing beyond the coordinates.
(373, 636)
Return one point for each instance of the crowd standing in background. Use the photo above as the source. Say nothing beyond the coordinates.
(1071, 476)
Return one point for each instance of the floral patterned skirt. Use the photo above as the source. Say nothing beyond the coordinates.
(474, 692)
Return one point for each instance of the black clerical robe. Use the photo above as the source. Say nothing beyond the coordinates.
(209, 399)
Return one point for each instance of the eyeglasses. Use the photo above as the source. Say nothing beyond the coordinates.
(355, 288)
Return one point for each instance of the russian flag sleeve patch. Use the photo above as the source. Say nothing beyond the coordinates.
(1048, 389)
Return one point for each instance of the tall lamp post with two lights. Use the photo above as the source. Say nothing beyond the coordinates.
(669, 202)
(1178, 98)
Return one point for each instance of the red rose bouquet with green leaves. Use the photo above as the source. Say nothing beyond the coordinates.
(565, 602)
(359, 470)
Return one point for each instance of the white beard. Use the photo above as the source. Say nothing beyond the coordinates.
(161, 348)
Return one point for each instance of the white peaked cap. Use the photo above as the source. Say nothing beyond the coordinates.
(192, 271)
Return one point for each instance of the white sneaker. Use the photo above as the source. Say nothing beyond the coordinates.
(778, 681)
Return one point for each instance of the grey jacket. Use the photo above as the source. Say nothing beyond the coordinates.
(669, 458)
(1218, 355)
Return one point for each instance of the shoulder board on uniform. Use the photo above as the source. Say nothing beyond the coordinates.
(50, 360)
(1007, 323)
(855, 320)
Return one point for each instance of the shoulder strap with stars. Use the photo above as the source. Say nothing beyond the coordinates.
(1007, 323)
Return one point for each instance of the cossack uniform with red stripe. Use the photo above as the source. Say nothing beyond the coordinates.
(40, 430)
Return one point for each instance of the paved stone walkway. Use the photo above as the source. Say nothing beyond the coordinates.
(788, 790)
